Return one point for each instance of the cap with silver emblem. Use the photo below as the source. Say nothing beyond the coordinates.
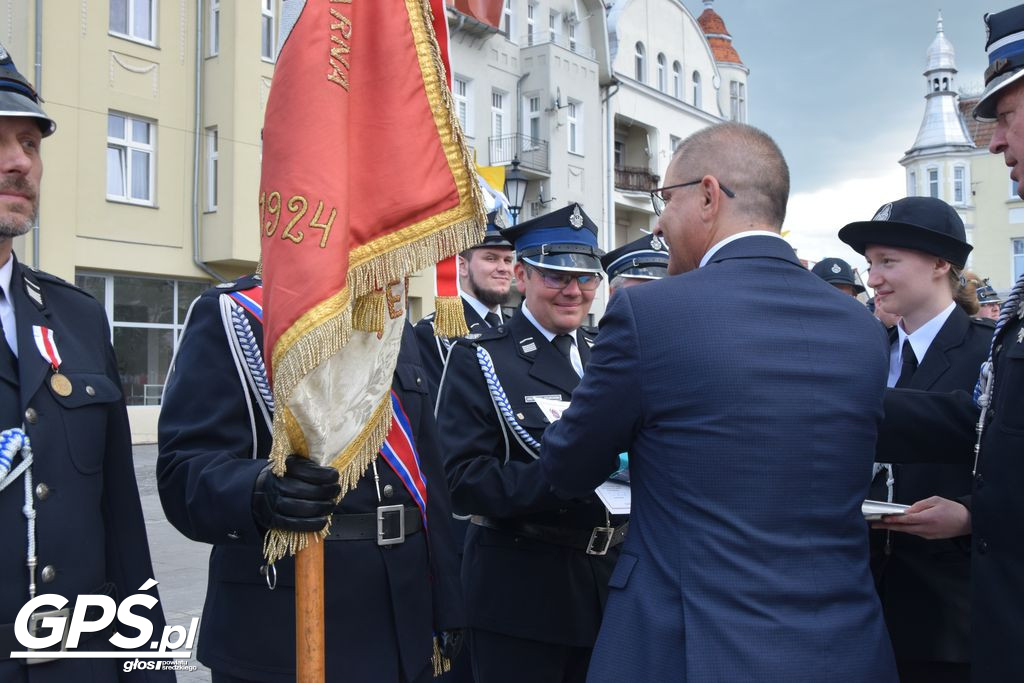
(1005, 47)
(836, 271)
(18, 97)
(565, 239)
(643, 259)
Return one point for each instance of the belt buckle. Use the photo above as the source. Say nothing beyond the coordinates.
(383, 513)
(35, 622)
(600, 540)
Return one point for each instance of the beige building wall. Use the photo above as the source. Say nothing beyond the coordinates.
(999, 221)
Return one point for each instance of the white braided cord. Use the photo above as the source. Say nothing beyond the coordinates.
(253, 357)
(501, 399)
(12, 442)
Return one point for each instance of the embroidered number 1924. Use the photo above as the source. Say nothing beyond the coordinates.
(298, 206)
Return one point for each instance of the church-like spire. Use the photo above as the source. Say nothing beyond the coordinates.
(942, 126)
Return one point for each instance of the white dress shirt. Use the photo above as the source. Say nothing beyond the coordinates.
(920, 340)
(574, 352)
(732, 238)
(477, 306)
(6, 308)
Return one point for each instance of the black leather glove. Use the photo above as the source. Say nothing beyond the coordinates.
(451, 643)
(301, 500)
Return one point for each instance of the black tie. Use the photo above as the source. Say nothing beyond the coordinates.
(7, 356)
(563, 343)
(492, 319)
(909, 365)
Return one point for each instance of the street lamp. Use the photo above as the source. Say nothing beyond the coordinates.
(515, 190)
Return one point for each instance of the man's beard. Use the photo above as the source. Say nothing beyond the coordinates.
(488, 297)
(13, 226)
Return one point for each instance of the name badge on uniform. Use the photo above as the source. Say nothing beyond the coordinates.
(47, 347)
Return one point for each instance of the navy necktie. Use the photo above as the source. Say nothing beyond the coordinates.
(492, 319)
(563, 343)
(908, 366)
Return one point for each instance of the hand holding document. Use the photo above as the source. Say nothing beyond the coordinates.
(874, 510)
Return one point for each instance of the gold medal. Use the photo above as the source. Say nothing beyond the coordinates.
(60, 384)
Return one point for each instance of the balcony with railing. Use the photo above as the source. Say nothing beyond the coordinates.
(531, 152)
(635, 179)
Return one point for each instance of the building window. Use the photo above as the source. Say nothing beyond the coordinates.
(933, 183)
(497, 114)
(211, 168)
(130, 159)
(959, 185)
(737, 101)
(147, 316)
(912, 184)
(554, 24)
(531, 10)
(696, 89)
(1018, 258)
(574, 117)
(463, 103)
(1014, 195)
(662, 73)
(677, 80)
(572, 36)
(673, 143)
(133, 19)
(532, 110)
(641, 62)
(506, 19)
(213, 28)
(268, 33)
(620, 153)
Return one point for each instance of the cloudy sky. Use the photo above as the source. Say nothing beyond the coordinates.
(840, 87)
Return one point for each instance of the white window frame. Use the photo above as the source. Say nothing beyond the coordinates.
(213, 28)
(1014, 197)
(673, 143)
(572, 36)
(498, 115)
(574, 126)
(555, 25)
(677, 80)
(130, 9)
(127, 164)
(531, 115)
(531, 23)
(1014, 256)
(912, 184)
(268, 53)
(698, 95)
(462, 92)
(507, 20)
(960, 185)
(737, 101)
(212, 167)
(662, 70)
(640, 62)
(936, 182)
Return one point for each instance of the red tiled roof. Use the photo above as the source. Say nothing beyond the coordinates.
(721, 47)
(980, 131)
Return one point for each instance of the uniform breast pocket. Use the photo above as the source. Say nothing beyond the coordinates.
(84, 412)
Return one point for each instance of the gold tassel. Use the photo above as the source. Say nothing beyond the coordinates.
(442, 664)
(370, 312)
(449, 317)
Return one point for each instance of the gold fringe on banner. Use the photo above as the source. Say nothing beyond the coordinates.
(370, 312)
(449, 317)
(327, 327)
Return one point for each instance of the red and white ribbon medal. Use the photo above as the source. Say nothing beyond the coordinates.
(60, 384)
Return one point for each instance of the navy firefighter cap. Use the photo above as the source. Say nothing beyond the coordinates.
(836, 271)
(496, 222)
(1005, 48)
(642, 259)
(18, 97)
(565, 239)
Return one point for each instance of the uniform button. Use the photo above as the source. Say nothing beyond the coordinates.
(234, 535)
(42, 491)
(979, 480)
(48, 574)
(982, 546)
(31, 416)
(419, 381)
(389, 490)
(89, 390)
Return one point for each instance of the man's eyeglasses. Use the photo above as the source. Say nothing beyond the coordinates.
(556, 279)
(659, 201)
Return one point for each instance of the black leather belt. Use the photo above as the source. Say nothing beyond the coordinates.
(594, 541)
(389, 525)
(9, 643)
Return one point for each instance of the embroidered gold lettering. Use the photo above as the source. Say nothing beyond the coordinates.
(395, 308)
(338, 61)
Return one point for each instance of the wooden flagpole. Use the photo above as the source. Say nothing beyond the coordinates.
(309, 613)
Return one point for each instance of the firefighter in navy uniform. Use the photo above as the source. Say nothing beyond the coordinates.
(536, 568)
(635, 263)
(388, 596)
(59, 385)
(485, 280)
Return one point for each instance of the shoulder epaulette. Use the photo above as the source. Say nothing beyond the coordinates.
(984, 322)
(242, 283)
(589, 329)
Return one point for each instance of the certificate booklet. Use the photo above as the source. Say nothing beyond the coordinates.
(616, 497)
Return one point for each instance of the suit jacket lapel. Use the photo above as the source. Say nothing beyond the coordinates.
(583, 346)
(8, 365)
(936, 361)
(548, 365)
(32, 368)
(473, 320)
